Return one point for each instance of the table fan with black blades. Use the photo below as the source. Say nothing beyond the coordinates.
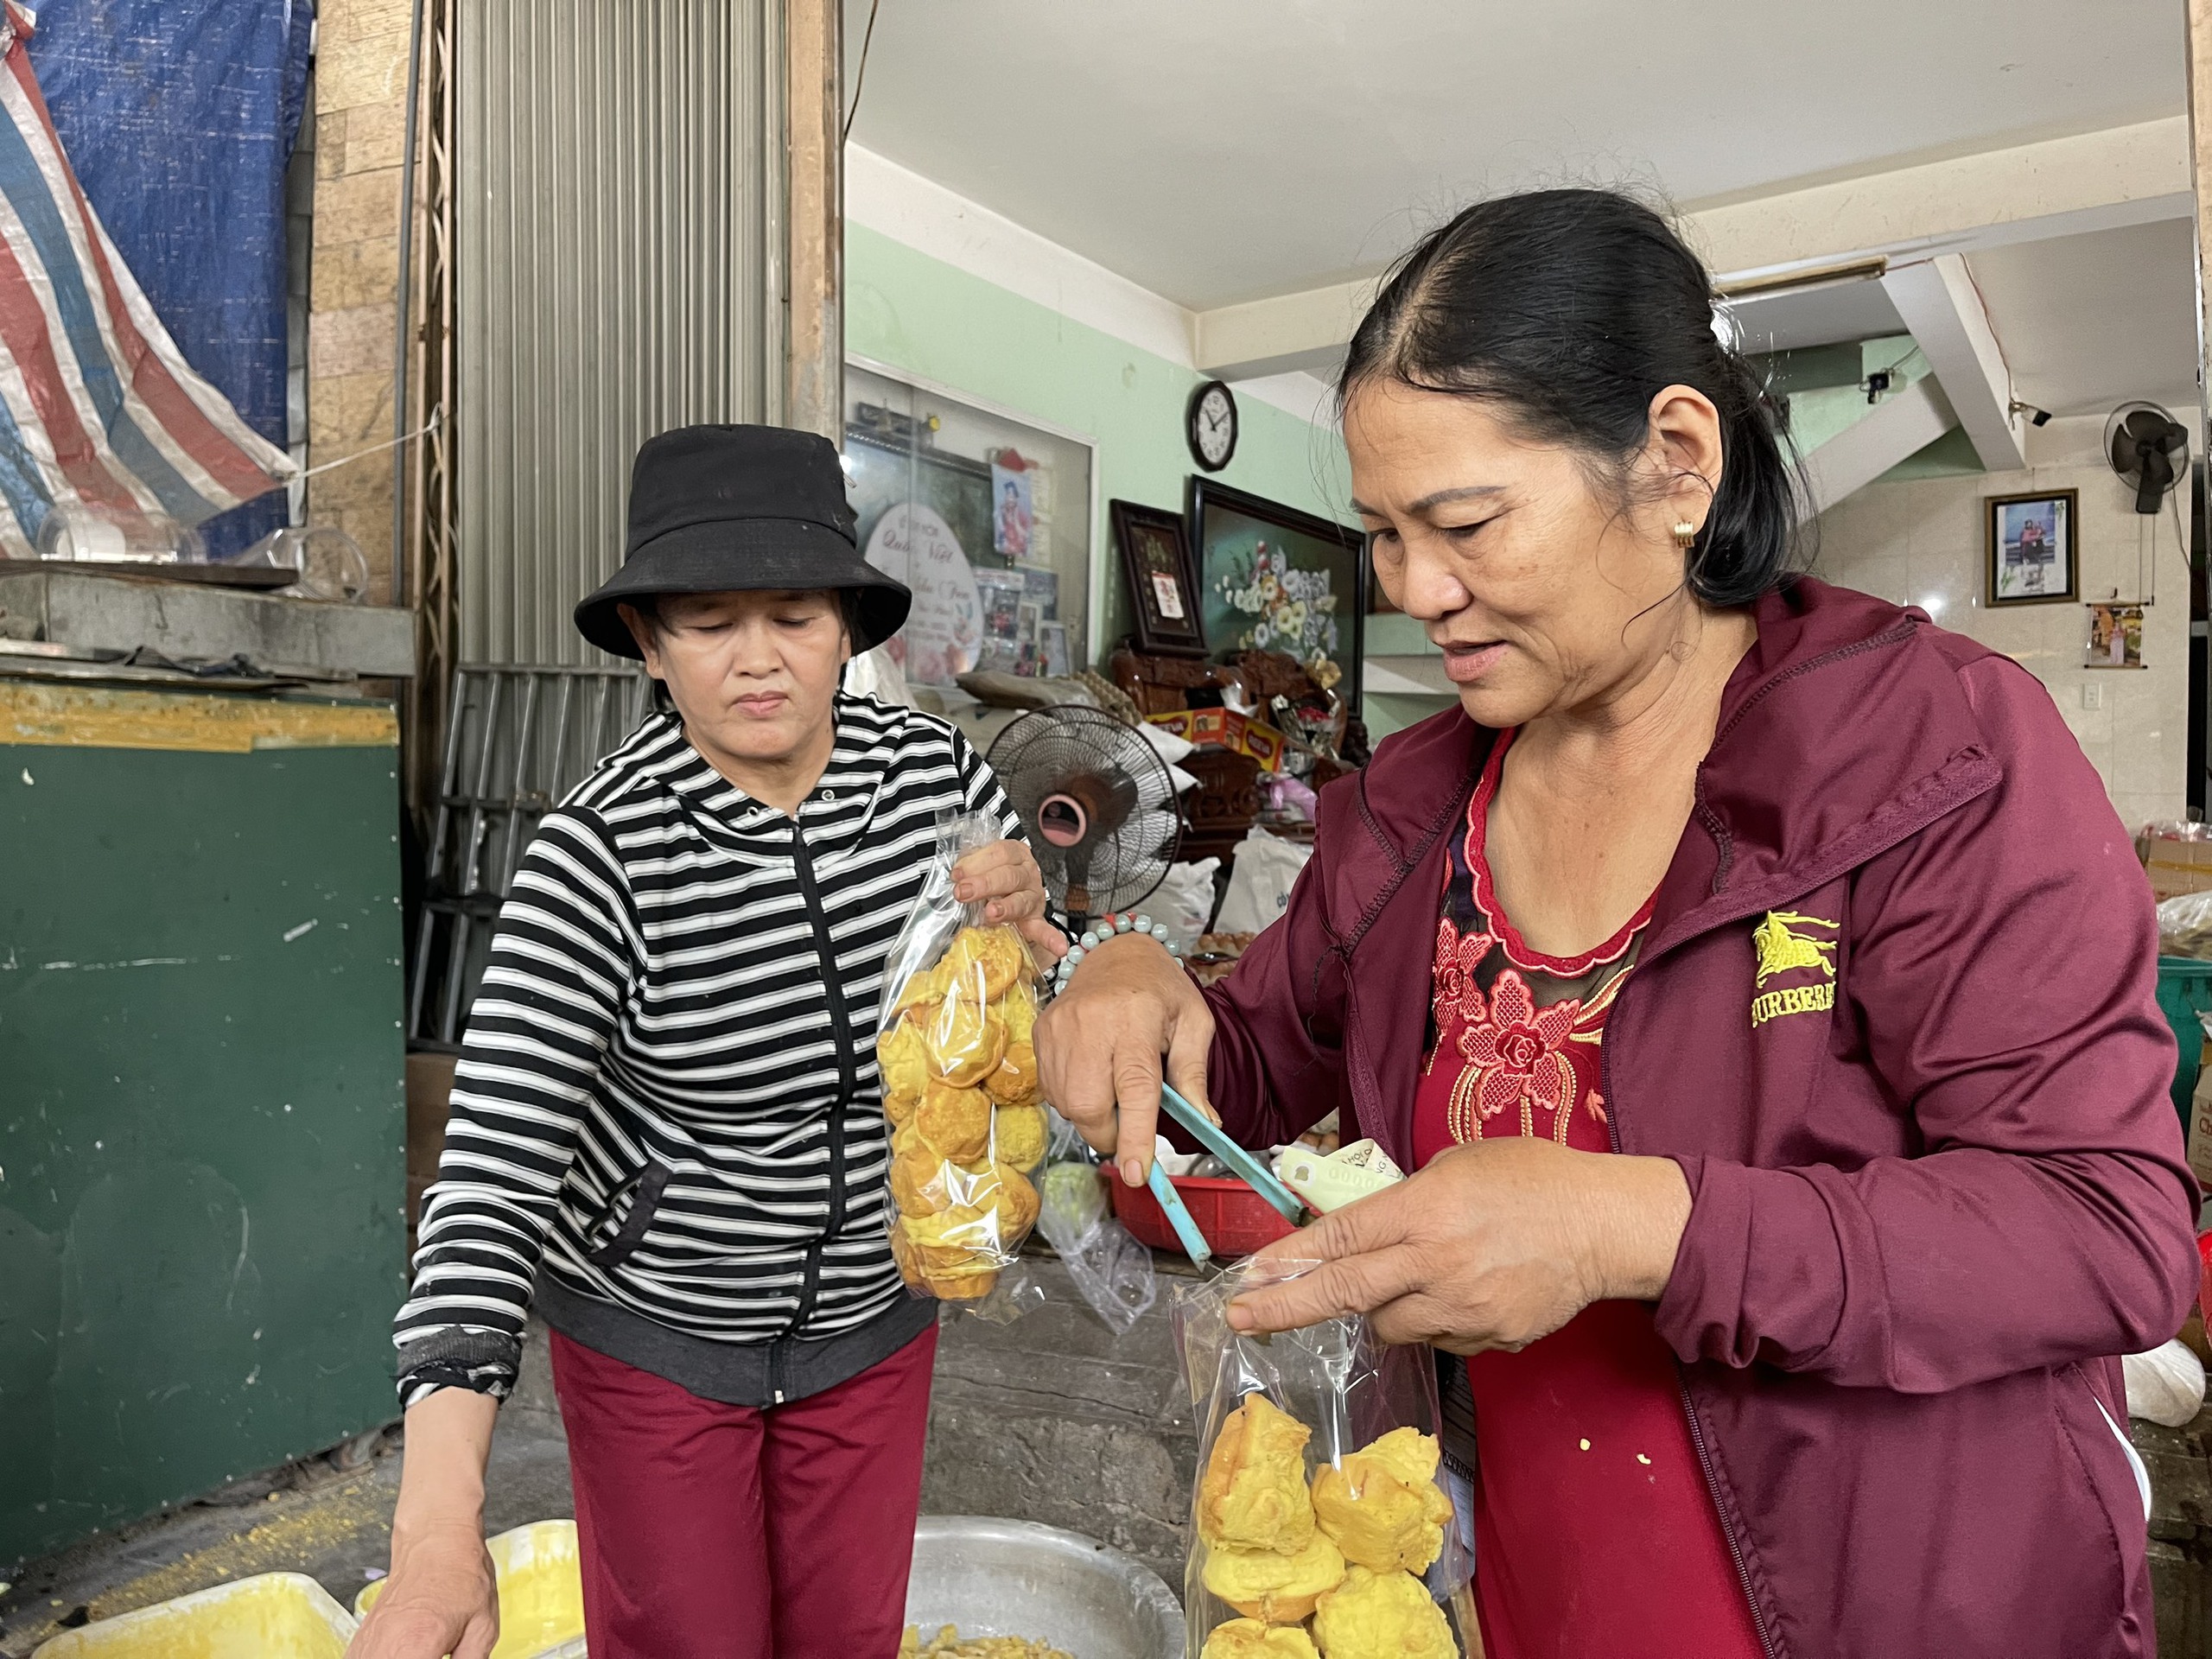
(1099, 805)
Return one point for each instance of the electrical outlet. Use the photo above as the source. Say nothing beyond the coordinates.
(2093, 695)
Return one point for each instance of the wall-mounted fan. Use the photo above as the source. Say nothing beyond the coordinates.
(1098, 804)
(2149, 449)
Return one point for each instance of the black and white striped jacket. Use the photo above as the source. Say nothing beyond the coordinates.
(668, 1100)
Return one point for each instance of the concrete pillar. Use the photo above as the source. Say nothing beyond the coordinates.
(814, 374)
(2200, 156)
(353, 309)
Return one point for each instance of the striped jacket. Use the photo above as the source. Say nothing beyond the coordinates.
(667, 1101)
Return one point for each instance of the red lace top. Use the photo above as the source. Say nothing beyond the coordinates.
(1595, 1531)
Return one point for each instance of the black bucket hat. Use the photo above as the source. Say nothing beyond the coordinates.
(718, 508)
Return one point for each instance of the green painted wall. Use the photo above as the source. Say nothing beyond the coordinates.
(911, 312)
(201, 1121)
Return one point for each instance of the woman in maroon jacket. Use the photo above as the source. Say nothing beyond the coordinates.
(1788, 1099)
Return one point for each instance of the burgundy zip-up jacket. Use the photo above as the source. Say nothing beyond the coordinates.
(1938, 1181)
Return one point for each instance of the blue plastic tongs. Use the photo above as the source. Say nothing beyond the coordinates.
(1179, 1217)
(1254, 1173)
(1249, 1170)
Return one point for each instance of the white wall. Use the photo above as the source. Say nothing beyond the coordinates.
(1922, 542)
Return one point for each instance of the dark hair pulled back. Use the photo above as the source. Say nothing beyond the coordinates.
(1571, 309)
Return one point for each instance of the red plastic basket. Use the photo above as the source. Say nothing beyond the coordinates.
(1236, 1220)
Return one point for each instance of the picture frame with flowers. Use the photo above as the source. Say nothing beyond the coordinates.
(1274, 578)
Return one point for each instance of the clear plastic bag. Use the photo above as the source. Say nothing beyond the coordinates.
(2185, 926)
(1320, 1507)
(1112, 1272)
(959, 1084)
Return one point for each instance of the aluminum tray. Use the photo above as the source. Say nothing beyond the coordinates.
(1014, 1577)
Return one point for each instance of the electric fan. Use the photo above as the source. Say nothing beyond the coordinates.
(1098, 804)
(2148, 448)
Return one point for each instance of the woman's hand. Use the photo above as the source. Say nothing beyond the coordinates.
(1099, 1043)
(441, 1599)
(1005, 875)
(1492, 1245)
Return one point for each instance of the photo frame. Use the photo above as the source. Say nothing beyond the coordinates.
(1274, 578)
(2115, 637)
(1053, 658)
(1163, 580)
(2034, 548)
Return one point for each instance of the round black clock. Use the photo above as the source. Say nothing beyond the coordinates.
(1211, 426)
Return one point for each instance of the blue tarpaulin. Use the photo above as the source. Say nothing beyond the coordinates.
(179, 117)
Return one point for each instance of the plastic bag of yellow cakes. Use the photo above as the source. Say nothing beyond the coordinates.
(1321, 1525)
(967, 1127)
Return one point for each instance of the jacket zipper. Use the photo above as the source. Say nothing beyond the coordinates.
(833, 992)
(1681, 1377)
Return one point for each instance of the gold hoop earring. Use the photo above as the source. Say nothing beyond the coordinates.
(1685, 535)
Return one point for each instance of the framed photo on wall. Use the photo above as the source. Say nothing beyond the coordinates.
(1275, 579)
(2033, 558)
(1163, 581)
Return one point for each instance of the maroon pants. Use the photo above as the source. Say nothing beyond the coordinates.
(717, 1532)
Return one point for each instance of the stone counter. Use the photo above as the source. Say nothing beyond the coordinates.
(1056, 1420)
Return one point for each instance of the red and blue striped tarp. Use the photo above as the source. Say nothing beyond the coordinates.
(96, 403)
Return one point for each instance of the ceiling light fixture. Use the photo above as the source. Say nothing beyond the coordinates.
(1855, 271)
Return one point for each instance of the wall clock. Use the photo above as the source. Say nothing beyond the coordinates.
(1211, 426)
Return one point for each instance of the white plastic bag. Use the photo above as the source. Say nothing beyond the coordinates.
(1184, 900)
(1260, 883)
(873, 674)
(2185, 926)
(2165, 1385)
(1166, 744)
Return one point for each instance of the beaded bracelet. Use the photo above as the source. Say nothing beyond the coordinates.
(1102, 930)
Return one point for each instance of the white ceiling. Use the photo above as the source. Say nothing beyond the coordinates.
(1218, 150)
(2090, 322)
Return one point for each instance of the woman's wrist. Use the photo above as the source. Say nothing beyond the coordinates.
(442, 1482)
(1121, 949)
(1640, 1219)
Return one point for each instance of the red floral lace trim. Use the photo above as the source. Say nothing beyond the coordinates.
(1515, 1053)
(1518, 950)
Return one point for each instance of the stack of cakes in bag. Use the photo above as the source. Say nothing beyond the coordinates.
(1330, 1568)
(967, 1125)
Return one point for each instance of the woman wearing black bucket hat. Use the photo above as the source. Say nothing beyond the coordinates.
(666, 1130)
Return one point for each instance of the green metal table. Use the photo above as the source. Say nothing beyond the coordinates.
(202, 1117)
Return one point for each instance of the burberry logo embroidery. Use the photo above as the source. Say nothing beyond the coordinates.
(1783, 949)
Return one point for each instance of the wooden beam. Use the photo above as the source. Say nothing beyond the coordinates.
(1943, 311)
(2200, 155)
(814, 104)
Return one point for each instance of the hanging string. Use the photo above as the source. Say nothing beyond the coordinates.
(859, 76)
(421, 431)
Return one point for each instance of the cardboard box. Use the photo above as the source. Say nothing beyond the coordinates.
(2175, 867)
(430, 1094)
(1225, 728)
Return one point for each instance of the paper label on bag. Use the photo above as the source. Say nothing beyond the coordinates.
(1332, 1181)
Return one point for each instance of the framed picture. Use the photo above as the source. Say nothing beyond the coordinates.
(2115, 637)
(1052, 650)
(1163, 581)
(999, 593)
(1275, 579)
(2031, 549)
